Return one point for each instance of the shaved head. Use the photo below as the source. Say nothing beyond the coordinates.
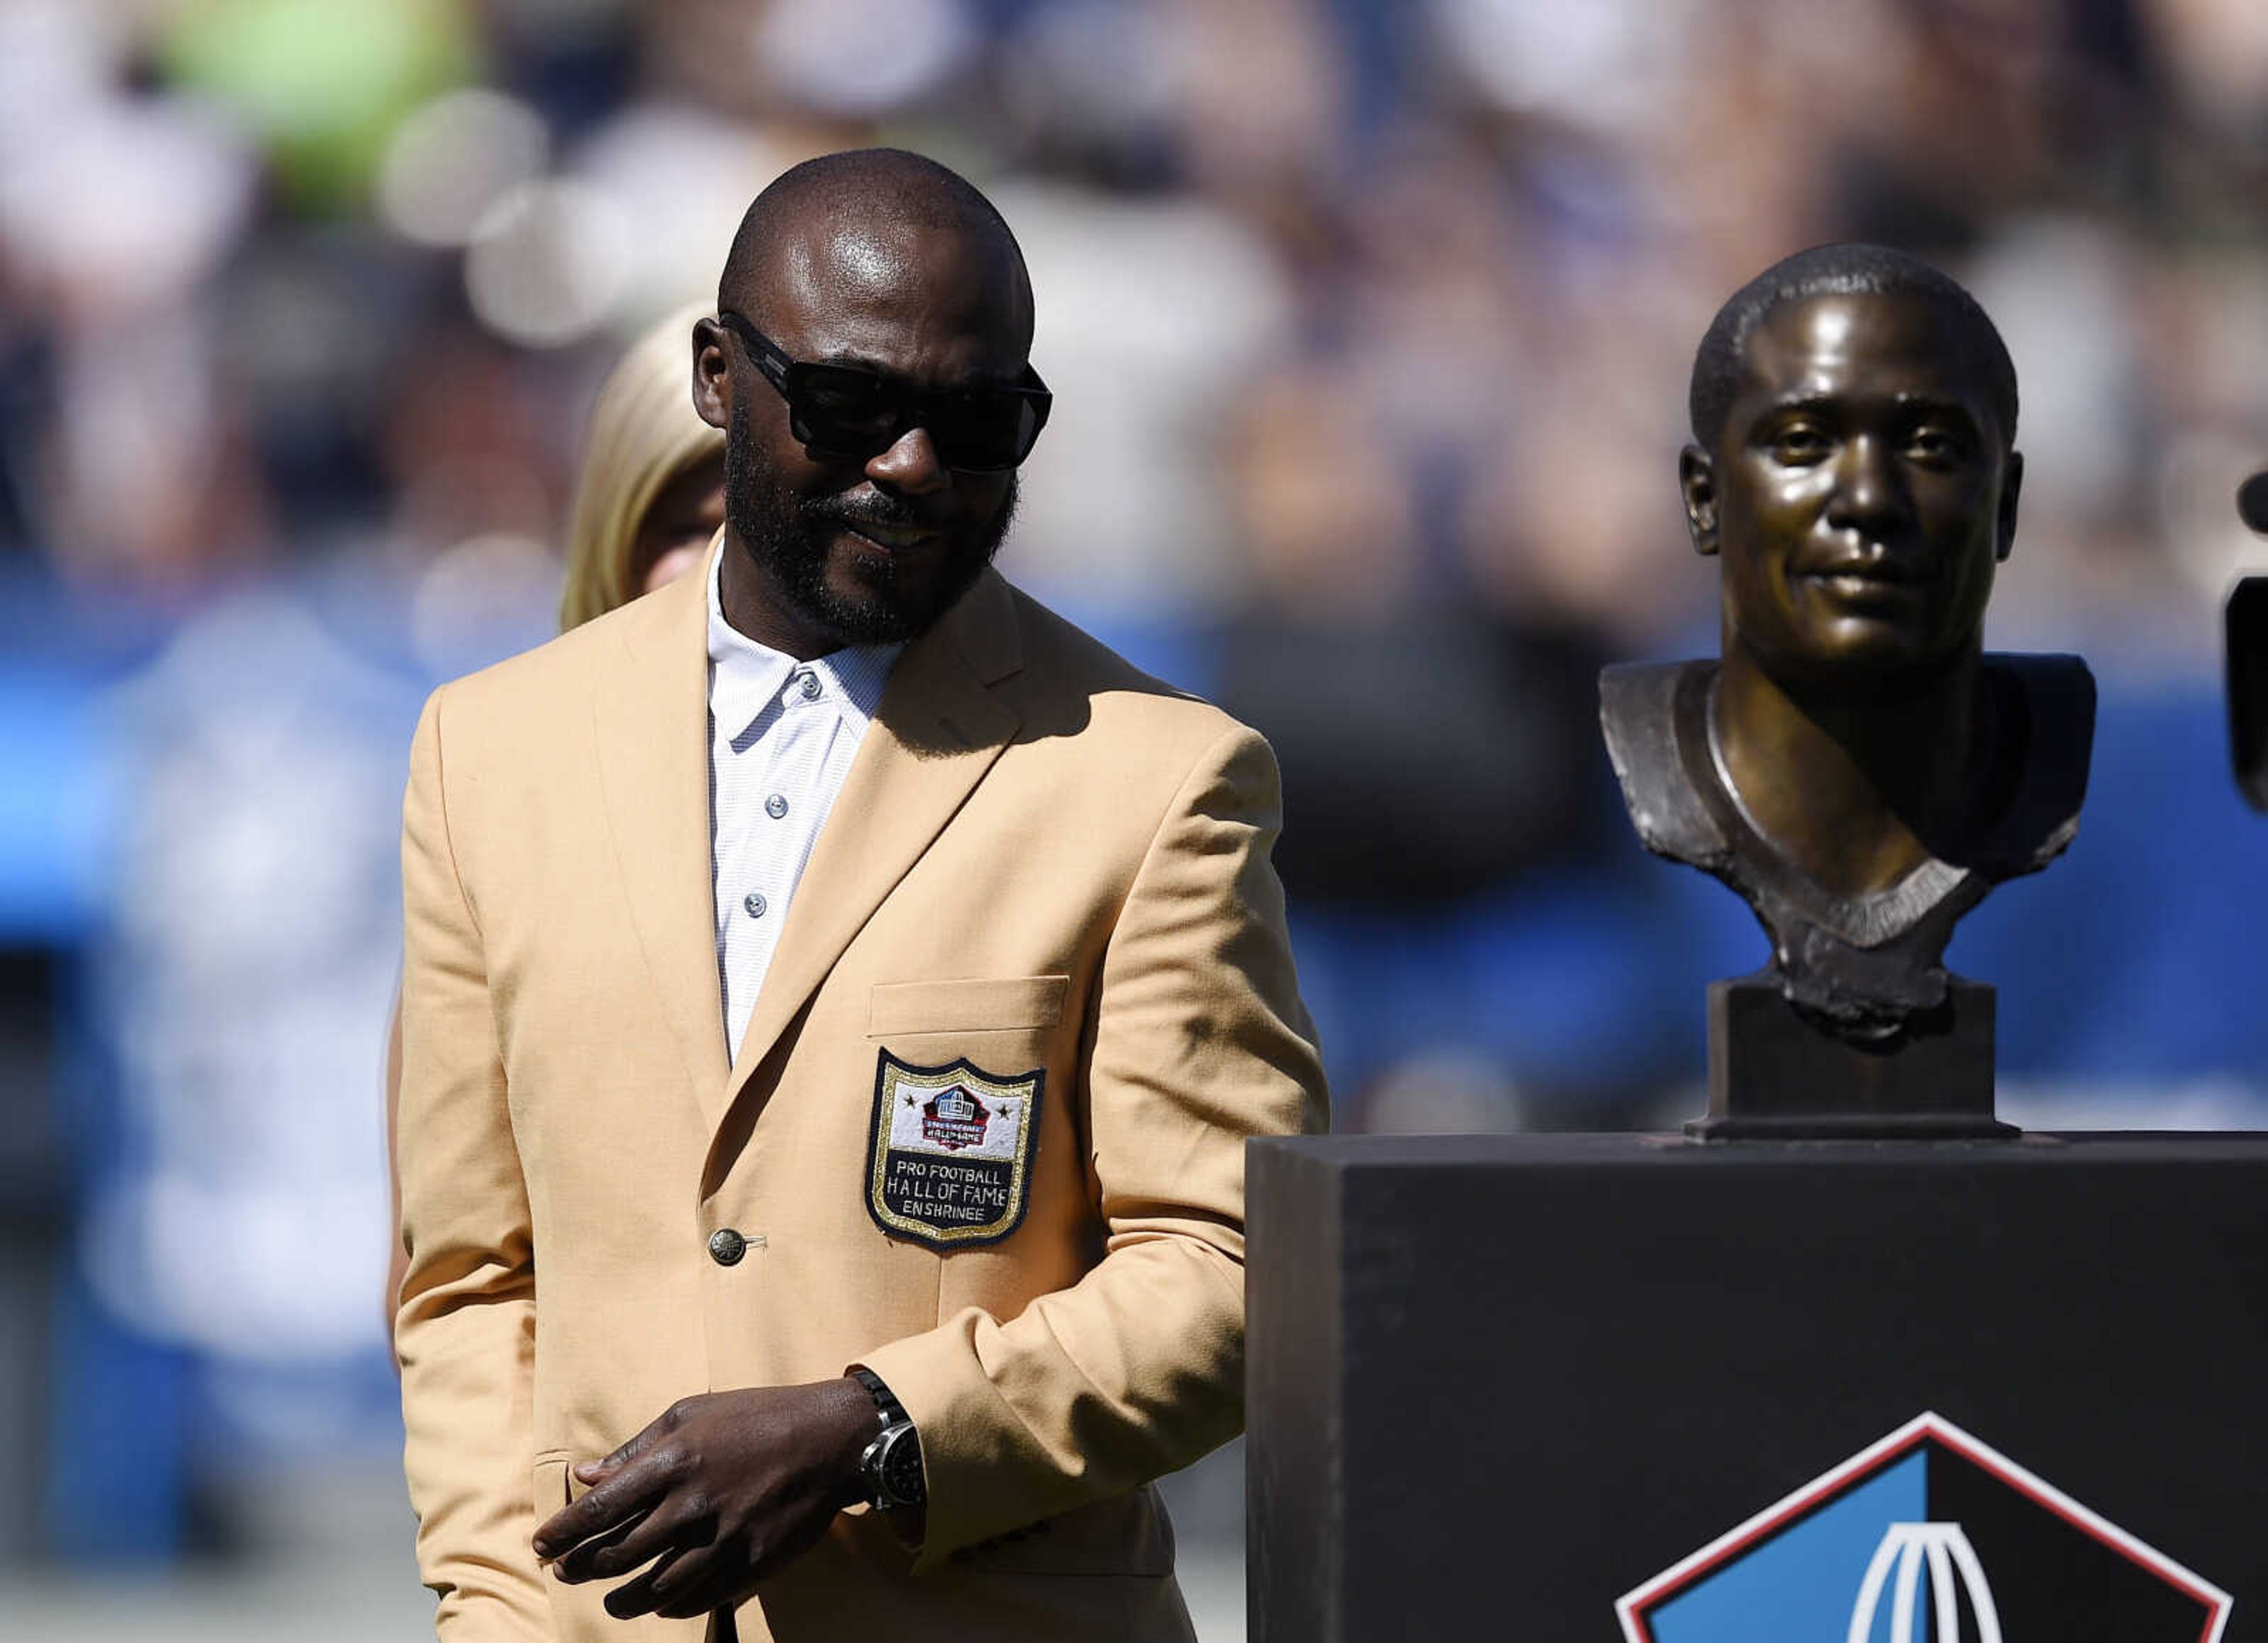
(873, 264)
(848, 209)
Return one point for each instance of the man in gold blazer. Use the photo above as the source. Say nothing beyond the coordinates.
(850, 1269)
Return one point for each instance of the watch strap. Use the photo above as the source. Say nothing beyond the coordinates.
(890, 1467)
(885, 1402)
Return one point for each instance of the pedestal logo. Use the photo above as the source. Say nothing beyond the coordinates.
(1929, 1536)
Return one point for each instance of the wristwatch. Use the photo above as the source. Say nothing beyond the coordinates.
(891, 1466)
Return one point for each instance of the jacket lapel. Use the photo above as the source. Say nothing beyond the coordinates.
(651, 717)
(937, 731)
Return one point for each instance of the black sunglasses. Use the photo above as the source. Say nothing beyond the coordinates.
(843, 410)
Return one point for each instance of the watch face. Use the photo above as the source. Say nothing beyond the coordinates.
(902, 1468)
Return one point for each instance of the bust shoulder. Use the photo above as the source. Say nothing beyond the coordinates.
(2053, 698)
(1639, 712)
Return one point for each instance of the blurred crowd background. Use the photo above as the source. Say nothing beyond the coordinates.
(1369, 324)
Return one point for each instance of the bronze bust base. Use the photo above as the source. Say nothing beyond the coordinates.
(1774, 1075)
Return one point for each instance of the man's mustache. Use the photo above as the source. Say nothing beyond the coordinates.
(889, 513)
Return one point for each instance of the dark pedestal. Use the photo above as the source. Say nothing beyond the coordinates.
(1774, 1075)
(1498, 1383)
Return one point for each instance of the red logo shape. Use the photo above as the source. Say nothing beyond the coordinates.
(954, 1119)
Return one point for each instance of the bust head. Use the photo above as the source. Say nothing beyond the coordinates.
(1853, 467)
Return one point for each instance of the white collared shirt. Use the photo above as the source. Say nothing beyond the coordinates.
(782, 735)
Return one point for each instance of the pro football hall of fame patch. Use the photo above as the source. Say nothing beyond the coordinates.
(950, 1153)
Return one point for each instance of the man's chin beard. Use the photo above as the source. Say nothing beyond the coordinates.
(791, 545)
(788, 540)
(878, 618)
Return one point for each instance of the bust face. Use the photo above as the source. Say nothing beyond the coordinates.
(1861, 491)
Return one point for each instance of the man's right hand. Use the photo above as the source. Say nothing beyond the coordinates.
(721, 1490)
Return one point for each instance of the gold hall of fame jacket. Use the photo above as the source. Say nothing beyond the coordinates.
(985, 1135)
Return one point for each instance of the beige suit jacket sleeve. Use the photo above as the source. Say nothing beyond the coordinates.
(1198, 1042)
(466, 1329)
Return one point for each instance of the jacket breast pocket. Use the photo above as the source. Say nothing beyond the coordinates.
(1003, 1004)
(969, 1079)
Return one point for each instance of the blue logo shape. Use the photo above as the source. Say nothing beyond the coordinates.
(1928, 1536)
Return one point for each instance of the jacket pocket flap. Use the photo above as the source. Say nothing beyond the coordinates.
(555, 1485)
(551, 1484)
(987, 1005)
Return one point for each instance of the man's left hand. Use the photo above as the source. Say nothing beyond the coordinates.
(722, 1490)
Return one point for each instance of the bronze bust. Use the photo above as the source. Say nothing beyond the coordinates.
(1855, 765)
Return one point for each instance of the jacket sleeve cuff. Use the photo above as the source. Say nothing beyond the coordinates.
(969, 1461)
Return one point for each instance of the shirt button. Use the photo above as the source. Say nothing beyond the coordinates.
(727, 1247)
(755, 904)
(811, 687)
(776, 807)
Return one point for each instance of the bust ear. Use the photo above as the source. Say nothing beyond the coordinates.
(1696, 478)
(712, 374)
(2012, 482)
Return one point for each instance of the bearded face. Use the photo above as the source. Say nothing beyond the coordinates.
(865, 564)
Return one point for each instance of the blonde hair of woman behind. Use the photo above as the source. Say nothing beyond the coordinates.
(643, 433)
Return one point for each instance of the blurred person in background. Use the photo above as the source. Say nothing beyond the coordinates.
(1013, 1004)
(650, 496)
(649, 500)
